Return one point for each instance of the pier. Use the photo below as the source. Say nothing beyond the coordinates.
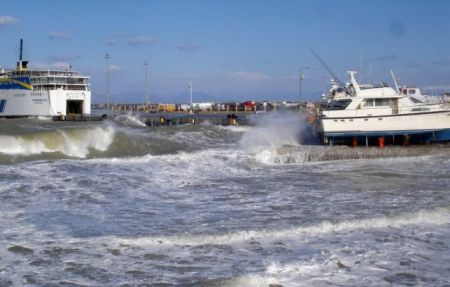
(169, 119)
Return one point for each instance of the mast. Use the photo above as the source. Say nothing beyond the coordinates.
(107, 57)
(21, 50)
(21, 65)
(146, 86)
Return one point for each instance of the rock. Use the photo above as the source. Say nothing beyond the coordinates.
(20, 249)
(343, 266)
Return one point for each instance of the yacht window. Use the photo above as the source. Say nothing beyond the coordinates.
(381, 102)
(339, 105)
(381, 85)
(368, 103)
(414, 100)
(411, 92)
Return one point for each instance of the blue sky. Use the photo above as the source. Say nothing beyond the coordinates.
(230, 50)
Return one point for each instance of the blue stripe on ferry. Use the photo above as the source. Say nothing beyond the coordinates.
(2, 105)
(19, 83)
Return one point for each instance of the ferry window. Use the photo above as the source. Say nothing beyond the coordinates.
(381, 102)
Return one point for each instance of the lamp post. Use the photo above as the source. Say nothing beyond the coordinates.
(302, 76)
(107, 57)
(190, 95)
(146, 85)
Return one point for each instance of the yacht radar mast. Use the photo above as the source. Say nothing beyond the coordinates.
(333, 75)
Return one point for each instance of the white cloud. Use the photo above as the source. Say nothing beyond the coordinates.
(60, 65)
(188, 46)
(250, 76)
(114, 39)
(7, 20)
(114, 67)
(59, 35)
(111, 41)
(51, 66)
(63, 58)
(140, 40)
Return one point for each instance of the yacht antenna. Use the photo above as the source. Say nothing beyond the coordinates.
(395, 82)
(333, 75)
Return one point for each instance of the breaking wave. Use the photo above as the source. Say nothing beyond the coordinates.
(435, 216)
(130, 120)
(295, 155)
(272, 132)
(72, 142)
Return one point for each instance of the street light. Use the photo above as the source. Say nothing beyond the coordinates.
(302, 76)
(107, 57)
(146, 85)
(190, 95)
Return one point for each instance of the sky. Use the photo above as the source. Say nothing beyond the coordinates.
(232, 50)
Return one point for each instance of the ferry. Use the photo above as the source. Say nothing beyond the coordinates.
(48, 93)
(367, 114)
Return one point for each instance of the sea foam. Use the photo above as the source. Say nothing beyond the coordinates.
(428, 217)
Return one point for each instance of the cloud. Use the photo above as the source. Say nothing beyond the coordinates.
(440, 63)
(188, 46)
(114, 39)
(140, 40)
(114, 67)
(59, 35)
(397, 29)
(415, 65)
(53, 66)
(111, 41)
(7, 21)
(389, 57)
(250, 76)
(64, 58)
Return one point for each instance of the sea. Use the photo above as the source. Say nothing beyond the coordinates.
(119, 203)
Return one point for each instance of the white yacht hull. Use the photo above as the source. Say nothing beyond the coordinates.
(417, 122)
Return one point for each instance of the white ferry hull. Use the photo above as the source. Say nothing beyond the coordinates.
(48, 103)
